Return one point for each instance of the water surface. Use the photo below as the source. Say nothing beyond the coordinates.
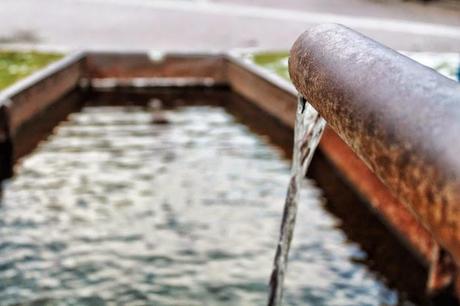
(115, 210)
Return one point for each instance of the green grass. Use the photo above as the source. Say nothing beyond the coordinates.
(276, 62)
(17, 65)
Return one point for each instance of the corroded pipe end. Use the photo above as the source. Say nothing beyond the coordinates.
(401, 118)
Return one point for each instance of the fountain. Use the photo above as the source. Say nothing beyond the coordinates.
(309, 126)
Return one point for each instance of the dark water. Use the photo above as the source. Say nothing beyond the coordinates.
(113, 210)
(309, 127)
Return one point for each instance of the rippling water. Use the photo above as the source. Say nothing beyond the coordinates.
(114, 210)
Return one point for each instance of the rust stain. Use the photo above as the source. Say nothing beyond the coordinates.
(379, 197)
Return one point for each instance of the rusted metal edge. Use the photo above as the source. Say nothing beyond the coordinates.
(270, 92)
(38, 76)
(37, 91)
(395, 214)
(259, 72)
(154, 64)
(401, 118)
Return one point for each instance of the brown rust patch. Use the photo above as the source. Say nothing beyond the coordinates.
(397, 215)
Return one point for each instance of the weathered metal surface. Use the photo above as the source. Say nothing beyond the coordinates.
(274, 96)
(25, 99)
(395, 214)
(401, 118)
(147, 65)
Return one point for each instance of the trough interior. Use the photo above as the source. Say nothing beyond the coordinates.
(381, 258)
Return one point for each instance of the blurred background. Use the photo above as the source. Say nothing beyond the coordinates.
(223, 24)
(427, 31)
(116, 206)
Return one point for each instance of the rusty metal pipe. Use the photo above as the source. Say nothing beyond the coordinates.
(401, 118)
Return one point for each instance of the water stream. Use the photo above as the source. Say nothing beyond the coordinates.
(309, 126)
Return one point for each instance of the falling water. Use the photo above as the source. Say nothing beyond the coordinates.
(309, 126)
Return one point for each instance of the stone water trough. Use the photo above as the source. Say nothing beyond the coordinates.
(391, 147)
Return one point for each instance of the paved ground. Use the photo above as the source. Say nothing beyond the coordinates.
(221, 24)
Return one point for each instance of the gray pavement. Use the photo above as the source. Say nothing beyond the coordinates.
(220, 24)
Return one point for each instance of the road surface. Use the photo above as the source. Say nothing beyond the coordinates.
(220, 24)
